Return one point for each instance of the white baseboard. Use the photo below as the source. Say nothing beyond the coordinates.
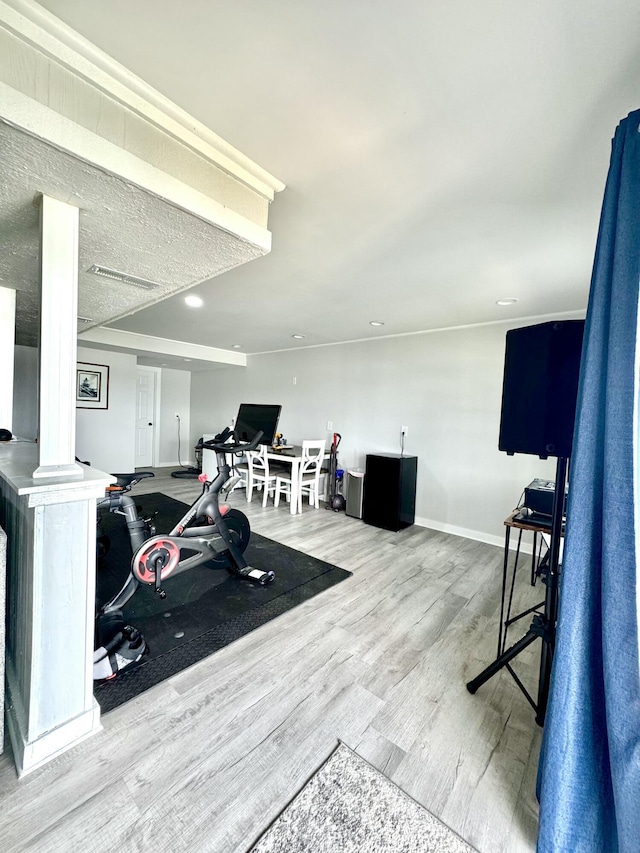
(526, 547)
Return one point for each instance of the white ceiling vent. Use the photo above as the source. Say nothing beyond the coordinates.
(114, 275)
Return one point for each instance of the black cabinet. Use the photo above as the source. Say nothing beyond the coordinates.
(390, 490)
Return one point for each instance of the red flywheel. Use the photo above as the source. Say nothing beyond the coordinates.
(158, 551)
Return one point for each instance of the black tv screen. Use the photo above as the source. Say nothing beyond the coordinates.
(256, 416)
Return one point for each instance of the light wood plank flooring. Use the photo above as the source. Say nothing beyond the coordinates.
(206, 760)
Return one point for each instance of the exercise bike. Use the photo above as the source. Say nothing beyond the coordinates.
(117, 501)
(207, 533)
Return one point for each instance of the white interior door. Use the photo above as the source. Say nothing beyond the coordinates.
(145, 417)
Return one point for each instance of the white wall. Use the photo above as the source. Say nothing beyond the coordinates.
(445, 386)
(175, 396)
(25, 392)
(106, 437)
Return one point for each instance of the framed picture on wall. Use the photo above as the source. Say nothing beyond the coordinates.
(92, 386)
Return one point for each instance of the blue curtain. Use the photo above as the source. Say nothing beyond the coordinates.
(589, 772)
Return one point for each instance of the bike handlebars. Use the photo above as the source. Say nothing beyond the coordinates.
(219, 445)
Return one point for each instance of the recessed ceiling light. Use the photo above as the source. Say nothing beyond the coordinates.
(298, 337)
(187, 359)
(510, 301)
(236, 346)
(375, 323)
(194, 301)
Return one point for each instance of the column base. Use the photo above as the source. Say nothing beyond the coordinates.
(30, 755)
(72, 470)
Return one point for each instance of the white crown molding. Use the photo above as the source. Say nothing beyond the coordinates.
(44, 123)
(511, 321)
(48, 34)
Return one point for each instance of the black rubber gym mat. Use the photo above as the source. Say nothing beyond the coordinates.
(205, 608)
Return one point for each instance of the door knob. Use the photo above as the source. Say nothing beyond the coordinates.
(150, 424)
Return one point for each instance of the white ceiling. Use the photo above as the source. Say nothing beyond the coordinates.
(438, 156)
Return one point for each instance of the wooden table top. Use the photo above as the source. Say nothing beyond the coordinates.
(510, 521)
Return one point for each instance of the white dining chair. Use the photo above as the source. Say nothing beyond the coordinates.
(262, 474)
(243, 470)
(308, 476)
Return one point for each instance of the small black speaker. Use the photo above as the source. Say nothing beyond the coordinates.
(541, 371)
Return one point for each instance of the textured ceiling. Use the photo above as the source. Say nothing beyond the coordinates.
(121, 227)
(437, 156)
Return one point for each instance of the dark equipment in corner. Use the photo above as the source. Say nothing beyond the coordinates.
(538, 500)
(191, 472)
(336, 501)
(540, 389)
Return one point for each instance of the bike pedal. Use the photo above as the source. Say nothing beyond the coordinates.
(261, 577)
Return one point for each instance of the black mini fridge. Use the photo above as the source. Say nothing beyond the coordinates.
(390, 490)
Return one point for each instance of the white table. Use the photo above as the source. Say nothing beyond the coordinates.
(292, 455)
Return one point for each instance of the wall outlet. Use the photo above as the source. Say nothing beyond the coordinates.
(404, 430)
(295, 380)
(329, 425)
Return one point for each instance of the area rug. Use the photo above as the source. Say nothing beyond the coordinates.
(349, 807)
(206, 608)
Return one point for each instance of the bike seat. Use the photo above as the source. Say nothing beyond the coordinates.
(125, 481)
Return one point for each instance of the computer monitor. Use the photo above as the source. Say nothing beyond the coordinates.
(257, 416)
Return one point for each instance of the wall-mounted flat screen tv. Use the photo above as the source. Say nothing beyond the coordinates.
(257, 416)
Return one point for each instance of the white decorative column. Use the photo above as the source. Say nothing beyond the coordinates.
(48, 511)
(7, 344)
(59, 226)
(51, 569)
